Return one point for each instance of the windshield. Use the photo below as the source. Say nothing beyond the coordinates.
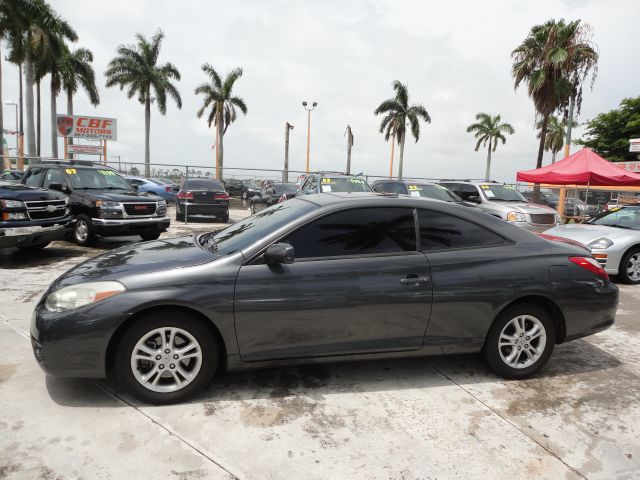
(246, 232)
(285, 188)
(622, 217)
(92, 178)
(343, 184)
(202, 185)
(504, 193)
(251, 183)
(437, 192)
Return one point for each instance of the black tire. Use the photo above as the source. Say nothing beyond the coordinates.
(225, 218)
(83, 237)
(624, 265)
(179, 217)
(492, 350)
(34, 247)
(123, 371)
(150, 236)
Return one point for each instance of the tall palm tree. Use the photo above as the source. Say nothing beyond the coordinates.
(488, 130)
(554, 139)
(218, 95)
(136, 67)
(549, 61)
(35, 28)
(75, 72)
(397, 114)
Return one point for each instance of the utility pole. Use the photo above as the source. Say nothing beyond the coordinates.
(285, 173)
(349, 135)
(309, 110)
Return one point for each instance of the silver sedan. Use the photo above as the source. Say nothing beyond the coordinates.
(614, 239)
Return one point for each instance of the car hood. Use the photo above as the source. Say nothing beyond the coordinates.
(117, 196)
(585, 233)
(526, 207)
(22, 192)
(137, 258)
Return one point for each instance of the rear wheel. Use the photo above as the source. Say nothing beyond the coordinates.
(520, 341)
(150, 236)
(225, 217)
(33, 248)
(166, 358)
(629, 270)
(84, 233)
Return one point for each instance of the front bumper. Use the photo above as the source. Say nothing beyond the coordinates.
(131, 226)
(533, 227)
(44, 232)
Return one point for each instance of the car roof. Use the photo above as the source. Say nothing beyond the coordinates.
(470, 181)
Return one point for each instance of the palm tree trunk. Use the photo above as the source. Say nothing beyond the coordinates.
(69, 112)
(2, 152)
(220, 145)
(147, 128)
(54, 114)
(553, 157)
(543, 136)
(38, 119)
(28, 80)
(401, 159)
(393, 146)
(487, 174)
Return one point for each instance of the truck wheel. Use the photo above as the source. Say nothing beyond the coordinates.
(84, 233)
(33, 248)
(150, 236)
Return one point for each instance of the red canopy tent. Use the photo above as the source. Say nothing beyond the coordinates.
(582, 168)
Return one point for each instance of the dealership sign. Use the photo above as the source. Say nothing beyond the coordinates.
(78, 126)
(634, 145)
(85, 149)
(629, 166)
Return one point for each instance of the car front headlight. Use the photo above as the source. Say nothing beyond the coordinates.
(515, 217)
(11, 204)
(108, 205)
(76, 296)
(600, 243)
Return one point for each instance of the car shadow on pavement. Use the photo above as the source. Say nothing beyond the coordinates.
(318, 380)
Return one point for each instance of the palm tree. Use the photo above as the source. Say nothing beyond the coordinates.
(550, 61)
(218, 95)
(136, 67)
(554, 139)
(488, 130)
(35, 29)
(398, 114)
(75, 72)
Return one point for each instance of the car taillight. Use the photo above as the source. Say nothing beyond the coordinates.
(590, 264)
(185, 195)
(221, 196)
(282, 198)
(168, 189)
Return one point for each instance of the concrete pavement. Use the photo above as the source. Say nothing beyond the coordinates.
(446, 417)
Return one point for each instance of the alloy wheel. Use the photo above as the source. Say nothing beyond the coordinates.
(82, 230)
(633, 267)
(166, 359)
(522, 341)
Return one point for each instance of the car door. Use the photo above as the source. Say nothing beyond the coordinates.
(358, 285)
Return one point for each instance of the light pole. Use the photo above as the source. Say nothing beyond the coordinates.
(285, 172)
(309, 110)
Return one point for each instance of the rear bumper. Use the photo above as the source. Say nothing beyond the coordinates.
(131, 226)
(218, 209)
(44, 232)
(589, 309)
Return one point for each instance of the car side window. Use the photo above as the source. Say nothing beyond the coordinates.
(467, 191)
(440, 231)
(358, 231)
(34, 177)
(136, 182)
(396, 188)
(378, 187)
(53, 176)
(454, 187)
(307, 184)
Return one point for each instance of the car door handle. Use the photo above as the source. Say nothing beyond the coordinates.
(414, 280)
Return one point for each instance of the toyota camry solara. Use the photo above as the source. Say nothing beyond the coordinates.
(321, 278)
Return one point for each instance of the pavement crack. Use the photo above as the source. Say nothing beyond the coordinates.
(511, 423)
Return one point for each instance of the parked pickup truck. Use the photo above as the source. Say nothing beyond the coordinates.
(104, 203)
(31, 218)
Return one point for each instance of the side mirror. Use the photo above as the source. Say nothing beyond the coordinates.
(58, 187)
(134, 187)
(279, 253)
(473, 198)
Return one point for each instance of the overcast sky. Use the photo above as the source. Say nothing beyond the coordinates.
(454, 56)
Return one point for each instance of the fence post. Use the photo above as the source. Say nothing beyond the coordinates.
(186, 200)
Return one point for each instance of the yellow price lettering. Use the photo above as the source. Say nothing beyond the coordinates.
(70, 171)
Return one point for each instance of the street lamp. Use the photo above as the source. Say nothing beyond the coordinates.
(309, 110)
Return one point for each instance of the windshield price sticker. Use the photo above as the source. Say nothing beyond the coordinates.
(415, 188)
(614, 209)
(355, 180)
(326, 188)
(489, 194)
(70, 171)
(440, 187)
(414, 193)
(107, 172)
(327, 180)
(485, 187)
(509, 187)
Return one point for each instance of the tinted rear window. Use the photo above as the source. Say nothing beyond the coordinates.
(202, 185)
(439, 231)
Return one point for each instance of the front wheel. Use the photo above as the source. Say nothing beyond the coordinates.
(84, 233)
(629, 270)
(520, 341)
(166, 357)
